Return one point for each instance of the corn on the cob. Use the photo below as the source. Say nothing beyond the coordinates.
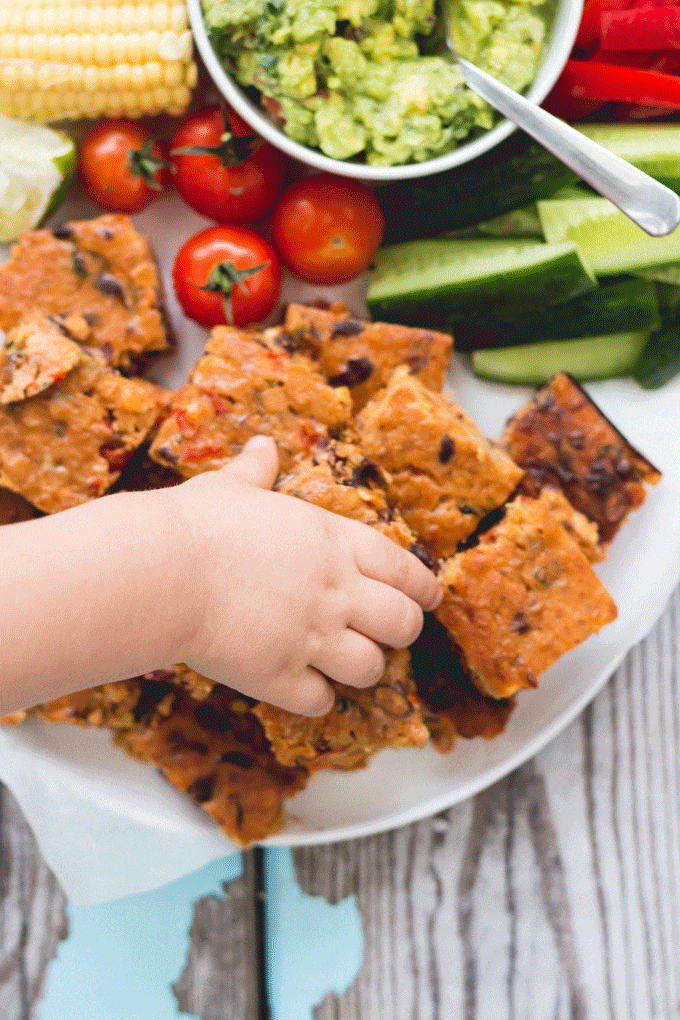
(66, 59)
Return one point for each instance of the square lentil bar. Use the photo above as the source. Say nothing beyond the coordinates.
(203, 737)
(242, 387)
(563, 441)
(34, 356)
(69, 443)
(98, 277)
(214, 750)
(362, 355)
(452, 706)
(520, 599)
(338, 477)
(444, 475)
(360, 723)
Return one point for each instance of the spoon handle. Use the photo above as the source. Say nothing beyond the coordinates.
(651, 205)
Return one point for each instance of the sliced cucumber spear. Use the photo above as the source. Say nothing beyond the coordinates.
(514, 174)
(613, 308)
(433, 283)
(595, 357)
(608, 241)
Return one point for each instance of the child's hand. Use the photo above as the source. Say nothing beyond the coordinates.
(288, 594)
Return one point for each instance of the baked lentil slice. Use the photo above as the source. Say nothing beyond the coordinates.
(338, 477)
(563, 441)
(34, 356)
(69, 443)
(445, 476)
(451, 705)
(242, 387)
(203, 737)
(360, 723)
(98, 277)
(520, 599)
(215, 751)
(362, 355)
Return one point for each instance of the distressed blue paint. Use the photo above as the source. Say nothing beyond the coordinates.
(121, 957)
(312, 947)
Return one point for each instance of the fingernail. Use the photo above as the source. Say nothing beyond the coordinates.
(258, 443)
(437, 599)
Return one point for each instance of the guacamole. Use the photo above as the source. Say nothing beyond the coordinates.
(361, 78)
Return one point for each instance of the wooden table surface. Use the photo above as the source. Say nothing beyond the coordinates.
(553, 895)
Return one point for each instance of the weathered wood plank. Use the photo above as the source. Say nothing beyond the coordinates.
(553, 895)
(32, 915)
(220, 979)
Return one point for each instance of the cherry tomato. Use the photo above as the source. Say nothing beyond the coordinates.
(327, 229)
(122, 167)
(227, 274)
(234, 176)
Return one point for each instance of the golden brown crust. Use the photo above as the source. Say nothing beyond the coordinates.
(360, 723)
(562, 440)
(69, 443)
(203, 738)
(34, 356)
(241, 388)
(362, 355)
(338, 477)
(444, 475)
(214, 751)
(99, 276)
(520, 599)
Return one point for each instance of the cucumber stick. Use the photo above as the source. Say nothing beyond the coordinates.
(659, 362)
(613, 308)
(605, 237)
(437, 282)
(595, 357)
(514, 174)
(654, 148)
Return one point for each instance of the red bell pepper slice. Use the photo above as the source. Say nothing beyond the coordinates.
(566, 107)
(589, 29)
(646, 28)
(587, 79)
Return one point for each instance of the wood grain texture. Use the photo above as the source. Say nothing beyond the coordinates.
(220, 978)
(554, 895)
(32, 915)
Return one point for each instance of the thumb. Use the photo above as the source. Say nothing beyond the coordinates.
(257, 463)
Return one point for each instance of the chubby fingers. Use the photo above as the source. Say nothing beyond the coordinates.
(380, 559)
(385, 614)
(307, 693)
(350, 658)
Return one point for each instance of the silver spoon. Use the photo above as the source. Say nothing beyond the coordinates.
(651, 205)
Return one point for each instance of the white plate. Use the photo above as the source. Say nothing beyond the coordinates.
(60, 773)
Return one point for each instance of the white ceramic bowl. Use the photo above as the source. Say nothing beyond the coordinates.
(559, 42)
